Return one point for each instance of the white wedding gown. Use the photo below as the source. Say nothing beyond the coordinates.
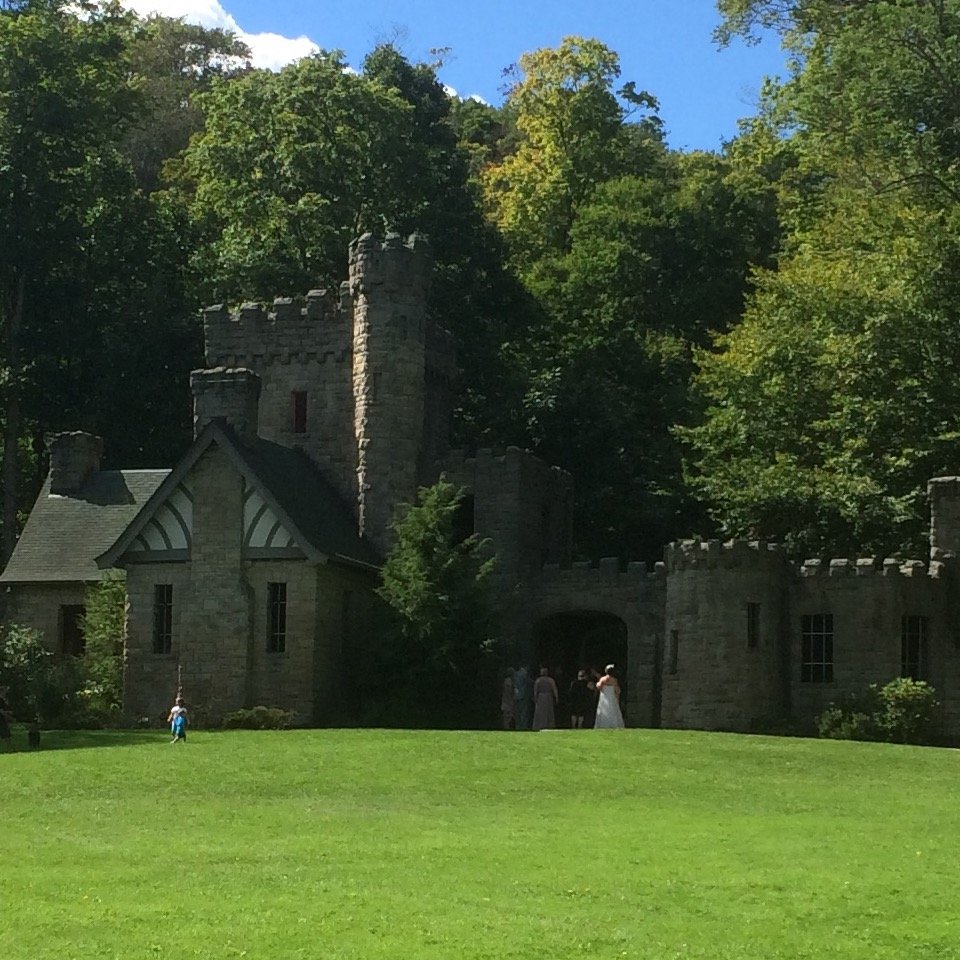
(609, 716)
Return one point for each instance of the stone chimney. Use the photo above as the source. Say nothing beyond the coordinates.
(73, 458)
(944, 496)
(232, 395)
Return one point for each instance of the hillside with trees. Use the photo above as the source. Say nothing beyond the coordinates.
(756, 342)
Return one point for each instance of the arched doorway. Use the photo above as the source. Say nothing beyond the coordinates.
(580, 639)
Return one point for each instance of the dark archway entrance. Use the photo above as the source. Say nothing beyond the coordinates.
(580, 639)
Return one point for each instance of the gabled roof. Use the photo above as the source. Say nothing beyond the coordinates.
(310, 509)
(65, 534)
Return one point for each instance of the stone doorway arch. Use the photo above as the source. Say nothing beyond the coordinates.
(573, 639)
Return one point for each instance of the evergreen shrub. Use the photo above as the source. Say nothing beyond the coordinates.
(260, 718)
(901, 711)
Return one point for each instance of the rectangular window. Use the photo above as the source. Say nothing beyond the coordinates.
(163, 618)
(816, 654)
(72, 643)
(299, 411)
(753, 624)
(276, 617)
(673, 654)
(913, 647)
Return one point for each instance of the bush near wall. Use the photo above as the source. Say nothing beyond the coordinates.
(260, 718)
(901, 711)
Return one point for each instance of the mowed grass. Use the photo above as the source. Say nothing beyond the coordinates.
(368, 844)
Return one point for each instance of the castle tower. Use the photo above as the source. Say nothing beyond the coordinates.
(361, 382)
(724, 659)
(301, 352)
(388, 283)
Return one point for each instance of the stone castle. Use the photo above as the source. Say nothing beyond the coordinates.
(251, 564)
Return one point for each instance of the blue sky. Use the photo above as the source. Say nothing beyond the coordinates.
(664, 45)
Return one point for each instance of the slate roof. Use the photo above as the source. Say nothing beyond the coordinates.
(320, 522)
(313, 506)
(64, 534)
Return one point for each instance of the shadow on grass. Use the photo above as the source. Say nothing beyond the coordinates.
(80, 739)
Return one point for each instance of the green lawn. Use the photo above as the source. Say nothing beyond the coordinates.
(367, 844)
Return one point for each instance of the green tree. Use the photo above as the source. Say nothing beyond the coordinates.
(829, 407)
(292, 166)
(66, 96)
(571, 135)
(24, 669)
(655, 265)
(103, 624)
(437, 587)
(173, 60)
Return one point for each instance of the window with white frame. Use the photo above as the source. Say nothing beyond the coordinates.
(816, 648)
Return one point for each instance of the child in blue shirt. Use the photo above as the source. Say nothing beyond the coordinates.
(178, 721)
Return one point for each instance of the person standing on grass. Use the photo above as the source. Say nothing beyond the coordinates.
(545, 696)
(580, 697)
(178, 721)
(609, 716)
(521, 698)
(508, 706)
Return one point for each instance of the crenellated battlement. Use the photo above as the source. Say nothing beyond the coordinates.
(871, 567)
(606, 570)
(504, 460)
(394, 266)
(315, 328)
(713, 554)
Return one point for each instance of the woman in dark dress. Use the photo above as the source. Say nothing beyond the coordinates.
(581, 698)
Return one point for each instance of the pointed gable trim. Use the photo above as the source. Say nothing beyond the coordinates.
(214, 432)
(170, 527)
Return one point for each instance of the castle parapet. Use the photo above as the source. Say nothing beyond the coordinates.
(393, 265)
(312, 328)
(490, 461)
(607, 569)
(713, 554)
(868, 567)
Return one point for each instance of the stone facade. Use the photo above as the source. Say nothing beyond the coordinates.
(44, 607)
(317, 417)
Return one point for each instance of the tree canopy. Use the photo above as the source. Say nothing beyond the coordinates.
(758, 341)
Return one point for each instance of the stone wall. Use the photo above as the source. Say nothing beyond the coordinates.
(715, 675)
(150, 679)
(216, 620)
(297, 346)
(867, 599)
(212, 607)
(38, 605)
(284, 679)
(522, 505)
(307, 677)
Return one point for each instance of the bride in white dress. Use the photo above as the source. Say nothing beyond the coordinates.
(608, 707)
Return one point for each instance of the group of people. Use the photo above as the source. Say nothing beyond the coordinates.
(592, 700)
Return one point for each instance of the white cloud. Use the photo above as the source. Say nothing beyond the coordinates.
(269, 50)
(272, 51)
(208, 13)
